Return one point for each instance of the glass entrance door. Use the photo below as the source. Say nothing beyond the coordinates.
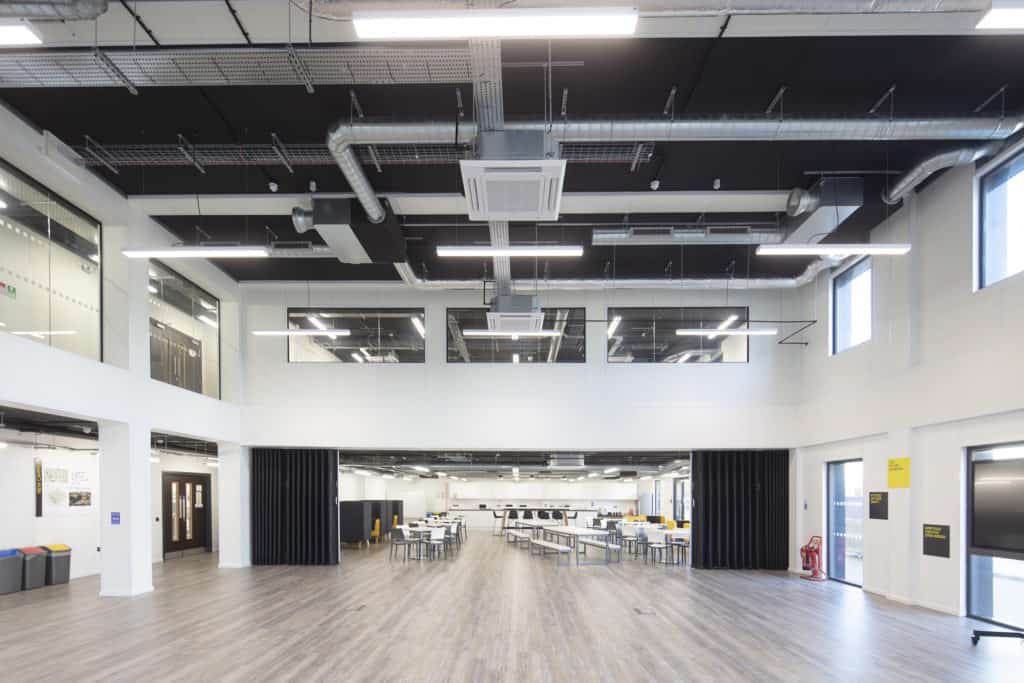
(846, 521)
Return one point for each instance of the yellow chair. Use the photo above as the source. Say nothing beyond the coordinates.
(671, 524)
(394, 521)
(376, 530)
(686, 525)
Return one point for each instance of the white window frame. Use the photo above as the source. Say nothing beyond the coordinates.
(983, 170)
(837, 272)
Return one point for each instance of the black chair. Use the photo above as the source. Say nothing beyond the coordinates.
(557, 514)
(528, 514)
(510, 521)
(543, 514)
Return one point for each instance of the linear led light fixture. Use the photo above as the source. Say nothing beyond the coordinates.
(833, 249)
(687, 356)
(526, 251)
(207, 320)
(421, 468)
(39, 334)
(363, 473)
(301, 333)
(228, 251)
(611, 470)
(738, 332)
(495, 23)
(321, 325)
(418, 324)
(593, 474)
(725, 323)
(614, 325)
(17, 34)
(357, 358)
(1004, 14)
(510, 335)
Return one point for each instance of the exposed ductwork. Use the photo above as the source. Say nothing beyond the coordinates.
(816, 213)
(910, 180)
(657, 236)
(410, 278)
(72, 10)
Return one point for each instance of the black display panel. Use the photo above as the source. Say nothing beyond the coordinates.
(998, 505)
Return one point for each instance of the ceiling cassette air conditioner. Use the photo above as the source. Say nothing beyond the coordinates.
(516, 177)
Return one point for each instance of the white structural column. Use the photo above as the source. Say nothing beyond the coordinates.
(126, 563)
(233, 492)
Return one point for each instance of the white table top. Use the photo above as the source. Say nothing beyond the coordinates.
(576, 531)
(539, 523)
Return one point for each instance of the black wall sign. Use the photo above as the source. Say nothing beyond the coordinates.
(878, 505)
(936, 540)
(39, 487)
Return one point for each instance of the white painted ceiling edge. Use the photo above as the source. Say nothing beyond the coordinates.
(201, 22)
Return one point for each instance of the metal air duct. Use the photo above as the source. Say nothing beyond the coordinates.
(54, 9)
(906, 183)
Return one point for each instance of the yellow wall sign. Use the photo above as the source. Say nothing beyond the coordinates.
(899, 473)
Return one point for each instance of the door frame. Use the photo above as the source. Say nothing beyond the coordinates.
(828, 520)
(165, 510)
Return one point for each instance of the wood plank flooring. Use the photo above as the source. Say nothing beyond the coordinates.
(491, 613)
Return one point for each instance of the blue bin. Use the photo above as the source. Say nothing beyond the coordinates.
(10, 571)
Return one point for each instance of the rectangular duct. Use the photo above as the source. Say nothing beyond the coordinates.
(833, 201)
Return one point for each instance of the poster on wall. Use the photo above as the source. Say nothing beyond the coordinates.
(936, 540)
(899, 473)
(39, 486)
(878, 505)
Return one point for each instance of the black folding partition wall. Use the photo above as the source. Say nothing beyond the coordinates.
(294, 506)
(740, 509)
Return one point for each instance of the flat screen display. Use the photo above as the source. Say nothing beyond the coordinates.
(998, 514)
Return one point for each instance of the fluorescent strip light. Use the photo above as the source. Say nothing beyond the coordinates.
(320, 325)
(611, 470)
(301, 333)
(495, 23)
(511, 252)
(209, 321)
(725, 323)
(199, 252)
(418, 324)
(515, 359)
(18, 34)
(510, 335)
(153, 290)
(45, 333)
(1004, 14)
(833, 249)
(697, 332)
(421, 468)
(687, 356)
(614, 325)
(357, 358)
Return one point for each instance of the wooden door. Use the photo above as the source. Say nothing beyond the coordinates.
(187, 513)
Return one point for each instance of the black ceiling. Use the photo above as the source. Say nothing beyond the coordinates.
(932, 75)
(451, 460)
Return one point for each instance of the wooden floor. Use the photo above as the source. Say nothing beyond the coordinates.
(493, 613)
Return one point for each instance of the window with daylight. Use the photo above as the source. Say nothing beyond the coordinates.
(49, 268)
(1001, 242)
(648, 335)
(184, 332)
(471, 341)
(358, 335)
(851, 306)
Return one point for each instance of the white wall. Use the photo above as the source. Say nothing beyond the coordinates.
(170, 462)
(77, 527)
(943, 371)
(593, 405)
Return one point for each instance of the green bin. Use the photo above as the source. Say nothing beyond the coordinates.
(58, 564)
(10, 571)
(34, 568)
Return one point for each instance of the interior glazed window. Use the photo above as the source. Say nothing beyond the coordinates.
(49, 268)
(851, 306)
(1002, 222)
(995, 534)
(471, 341)
(364, 335)
(648, 335)
(184, 332)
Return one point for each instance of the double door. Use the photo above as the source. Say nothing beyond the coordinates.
(187, 515)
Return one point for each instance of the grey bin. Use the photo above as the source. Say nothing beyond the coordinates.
(10, 571)
(33, 568)
(58, 564)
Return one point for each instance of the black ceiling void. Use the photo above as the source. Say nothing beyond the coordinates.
(845, 76)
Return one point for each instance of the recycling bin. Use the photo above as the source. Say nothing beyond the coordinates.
(58, 564)
(10, 571)
(34, 568)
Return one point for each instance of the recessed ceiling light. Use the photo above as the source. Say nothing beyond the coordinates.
(1004, 14)
(838, 250)
(21, 33)
(495, 23)
(511, 252)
